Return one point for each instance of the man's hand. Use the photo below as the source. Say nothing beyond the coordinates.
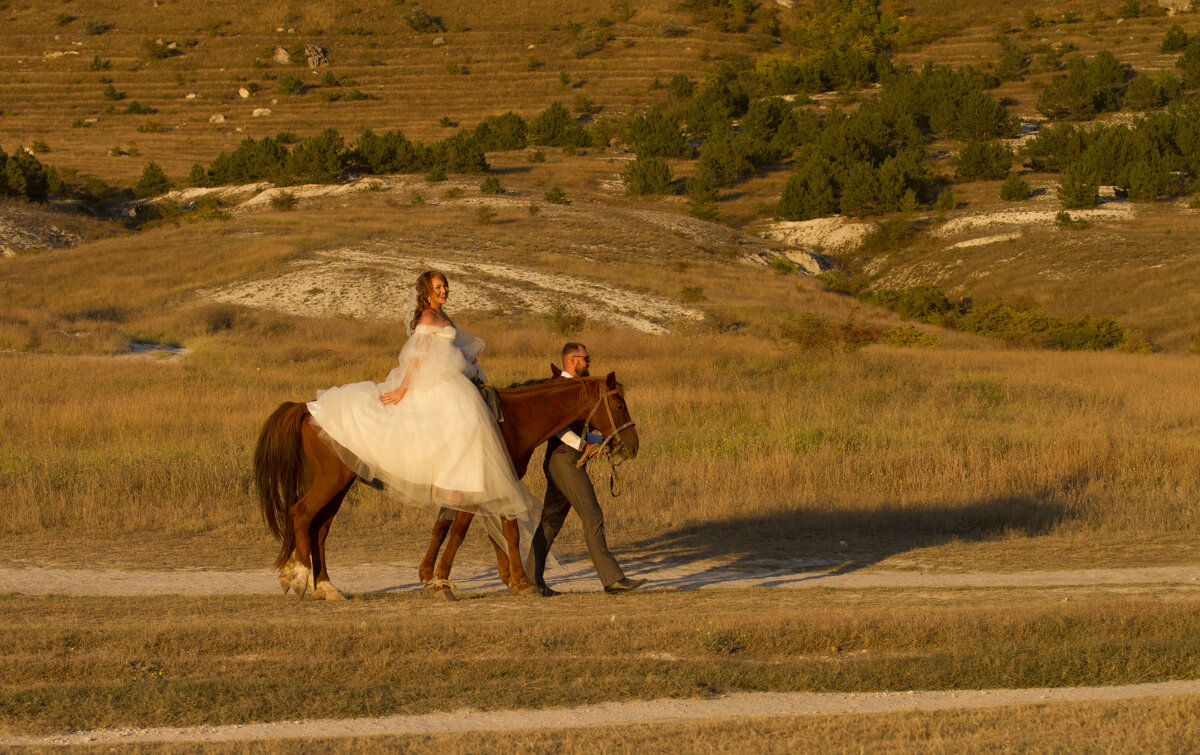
(393, 397)
(590, 451)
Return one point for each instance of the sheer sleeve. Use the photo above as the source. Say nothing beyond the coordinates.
(428, 358)
(471, 347)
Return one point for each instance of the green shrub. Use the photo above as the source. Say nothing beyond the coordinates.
(317, 159)
(537, 156)
(987, 161)
(1064, 220)
(22, 175)
(460, 153)
(656, 134)
(681, 87)
(111, 93)
(911, 337)
(556, 196)
(95, 27)
(485, 215)
(436, 174)
(152, 182)
(1087, 88)
(1077, 189)
(554, 127)
(1175, 39)
(809, 330)
(945, 200)
(284, 201)
(419, 20)
(135, 108)
(291, 85)
(501, 132)
(783, 265)
(1130, 9)
(1014, 188)
(1013, 61)
(927, 303)
(564, 319)
(62, 19)
(156, 49)
(491, 185)
(650, 175)
(1194, 344)
(809, 190)
(1189, 63)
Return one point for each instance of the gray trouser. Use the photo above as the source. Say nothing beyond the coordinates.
(567, 487)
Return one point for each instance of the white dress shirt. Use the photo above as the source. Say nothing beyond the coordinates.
(571, 438)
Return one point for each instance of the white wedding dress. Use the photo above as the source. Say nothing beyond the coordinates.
(439, 446)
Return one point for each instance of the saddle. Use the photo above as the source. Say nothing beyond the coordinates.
(488, 392)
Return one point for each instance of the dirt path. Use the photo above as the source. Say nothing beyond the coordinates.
(577, 577)
(375, 577)
(741, 705)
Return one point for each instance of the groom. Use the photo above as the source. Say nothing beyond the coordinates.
(569, 487)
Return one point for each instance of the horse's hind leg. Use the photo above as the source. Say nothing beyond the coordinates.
(518, 582)
(458, 531)
(440, 527)
(330, 481)
(321, 584)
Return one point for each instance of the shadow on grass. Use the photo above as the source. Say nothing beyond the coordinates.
(847, 541)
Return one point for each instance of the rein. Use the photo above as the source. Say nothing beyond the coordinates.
(605, 450)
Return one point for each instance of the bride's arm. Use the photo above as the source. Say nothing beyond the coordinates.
(397, 395)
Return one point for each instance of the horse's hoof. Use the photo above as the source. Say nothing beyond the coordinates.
(526, 590)
(445, 594)
(300, 582)
(428, 589)
(329, 592)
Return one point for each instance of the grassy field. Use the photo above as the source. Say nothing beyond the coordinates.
(102, 663)
(755, 448)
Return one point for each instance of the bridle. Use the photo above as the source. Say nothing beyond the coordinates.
(606, 450)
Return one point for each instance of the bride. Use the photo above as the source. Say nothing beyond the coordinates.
(424, 434)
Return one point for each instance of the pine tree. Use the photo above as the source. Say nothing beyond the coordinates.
(153, 181)
(1077, 189)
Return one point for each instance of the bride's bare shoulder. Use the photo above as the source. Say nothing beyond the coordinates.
(428, 318)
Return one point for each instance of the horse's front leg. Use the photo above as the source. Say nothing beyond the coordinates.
(458, 531)
(518, 582)
(501, 561)
(441, 526)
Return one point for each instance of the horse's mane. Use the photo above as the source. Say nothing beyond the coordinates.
(527, 383)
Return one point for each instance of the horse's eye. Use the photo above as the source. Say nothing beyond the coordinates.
(620, 407)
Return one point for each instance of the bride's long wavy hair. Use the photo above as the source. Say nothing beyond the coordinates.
(424, 288)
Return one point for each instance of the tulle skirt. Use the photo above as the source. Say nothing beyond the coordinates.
(439, 447)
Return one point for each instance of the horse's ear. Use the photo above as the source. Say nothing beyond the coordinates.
(611, 380)
(554, 371)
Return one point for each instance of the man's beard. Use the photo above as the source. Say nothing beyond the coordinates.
(585, 372)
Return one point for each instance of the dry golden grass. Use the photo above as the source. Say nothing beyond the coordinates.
(71, 663)
(752, 448)
(407, 74)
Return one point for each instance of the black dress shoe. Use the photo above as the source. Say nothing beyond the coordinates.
(545, 591)
(624, 584)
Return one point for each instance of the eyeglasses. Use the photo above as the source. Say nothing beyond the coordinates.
(580, 356)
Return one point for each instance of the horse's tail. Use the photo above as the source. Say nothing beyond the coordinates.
(279, 472)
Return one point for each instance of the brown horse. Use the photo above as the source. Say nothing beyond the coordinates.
(302, 482)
